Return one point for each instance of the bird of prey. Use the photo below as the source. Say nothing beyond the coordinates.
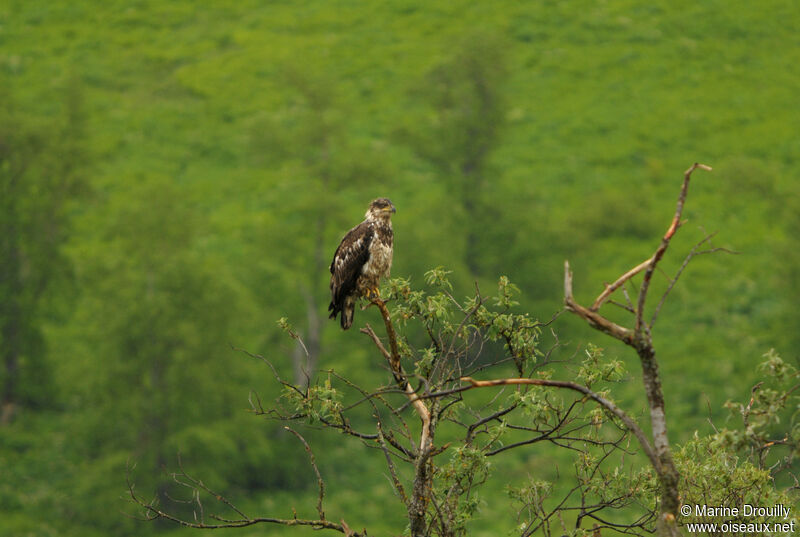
(363, 257)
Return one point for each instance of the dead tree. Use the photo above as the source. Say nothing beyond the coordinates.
(640, 338)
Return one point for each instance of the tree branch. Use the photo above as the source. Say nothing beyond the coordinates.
(421, 490)
(602, 401)
(393, 358)
(692, 253)
(320, 482)
(153, 512)
(620, 281)
(593, 318)
(659, 253)
(641, 340)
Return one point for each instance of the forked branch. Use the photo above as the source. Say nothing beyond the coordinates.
(619, 283)
(659, 253)
(592, 317)
(601, 323)
(640, 339)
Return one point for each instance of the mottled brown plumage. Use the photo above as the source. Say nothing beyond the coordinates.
(363, 257)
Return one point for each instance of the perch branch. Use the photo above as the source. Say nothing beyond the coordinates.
(421, 490)
(393, 357)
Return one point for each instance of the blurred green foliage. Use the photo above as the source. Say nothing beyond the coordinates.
(189, 169)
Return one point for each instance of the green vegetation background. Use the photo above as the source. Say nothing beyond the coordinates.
(221, 149)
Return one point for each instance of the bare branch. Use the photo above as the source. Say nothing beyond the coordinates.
(593, 318)
(153, 512)
(398, 486)
(197, 484)
(620, 281)
(641, 340)
(272, 368)
(659, 253)
(320, 482)
(692, 253)
(626, 307)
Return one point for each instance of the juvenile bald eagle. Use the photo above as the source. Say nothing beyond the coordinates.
(363, 257)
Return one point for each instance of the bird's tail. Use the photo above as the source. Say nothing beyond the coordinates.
(348, 308)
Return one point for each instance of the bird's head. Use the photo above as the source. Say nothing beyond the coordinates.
(380, 209)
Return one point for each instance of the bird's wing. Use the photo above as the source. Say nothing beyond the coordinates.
(350, 257)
